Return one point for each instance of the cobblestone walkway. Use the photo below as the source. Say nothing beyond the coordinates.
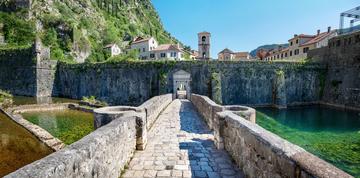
(181, 145)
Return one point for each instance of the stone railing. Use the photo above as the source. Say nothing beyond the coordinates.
(258, 152)
(106, 151)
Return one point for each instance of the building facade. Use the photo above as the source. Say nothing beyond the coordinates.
(144, 46)
(204, 45)
(299, 45)
(149, 49)
(228, 55)
(114, 49)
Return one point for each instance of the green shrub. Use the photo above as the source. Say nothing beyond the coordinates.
(93, 100)
(17, 31)
(6, 99)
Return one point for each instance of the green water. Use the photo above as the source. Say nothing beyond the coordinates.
(25, 100)
(331, 134)
(18, 147)
(67, 125)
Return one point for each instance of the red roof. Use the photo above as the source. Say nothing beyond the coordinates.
(303, 36)
(140, 40)
(166, 47)
(109, 45)
(318, 38)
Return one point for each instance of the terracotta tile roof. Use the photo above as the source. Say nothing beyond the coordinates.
(241, 54)
(226, 50)
(318, 38)
(109, 45)
(140, 40)
(303, 36)
(166, 47)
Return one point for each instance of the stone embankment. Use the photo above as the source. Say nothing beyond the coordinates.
(258, 152)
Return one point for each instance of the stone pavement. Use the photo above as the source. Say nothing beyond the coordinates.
(181, 145)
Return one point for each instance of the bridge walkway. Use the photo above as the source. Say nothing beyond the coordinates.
(181, 145)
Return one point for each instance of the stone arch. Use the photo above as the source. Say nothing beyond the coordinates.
(182, 81)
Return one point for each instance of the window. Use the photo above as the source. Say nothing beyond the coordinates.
(173, 54)
(203, 39)
(278, 56)
(139, 50)
(291, 43)
(162, 55)
(282, 56)
(285, 54)
(305, 50)
(204, 55)
(296, 52)
(297, 41)
(143, 49)
(290, 53)
(152, 55)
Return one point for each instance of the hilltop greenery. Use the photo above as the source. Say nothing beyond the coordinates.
(75, 30)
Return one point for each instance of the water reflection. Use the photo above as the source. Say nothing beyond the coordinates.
(18, 147)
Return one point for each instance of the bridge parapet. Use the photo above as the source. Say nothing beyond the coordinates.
(106, 151)
(258, 152)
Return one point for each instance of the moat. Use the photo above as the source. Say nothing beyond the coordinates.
(15, 140)
(67, 125)
(331, 134)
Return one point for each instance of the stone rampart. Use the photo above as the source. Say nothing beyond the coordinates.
(258, 152)
(341, 83)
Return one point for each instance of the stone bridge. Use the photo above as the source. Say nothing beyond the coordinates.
(179, 138)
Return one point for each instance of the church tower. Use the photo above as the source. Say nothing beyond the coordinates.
(204, 45)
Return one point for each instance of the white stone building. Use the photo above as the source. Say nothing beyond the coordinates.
(149, 49)
(113, 49)
(144, 46)
(167, 51)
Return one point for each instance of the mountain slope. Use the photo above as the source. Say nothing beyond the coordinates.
(79, 29)
(267, 47)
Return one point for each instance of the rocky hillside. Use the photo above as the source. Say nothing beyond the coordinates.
(76, 30)
(267, 47)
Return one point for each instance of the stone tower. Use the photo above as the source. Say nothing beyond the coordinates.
(204, 45)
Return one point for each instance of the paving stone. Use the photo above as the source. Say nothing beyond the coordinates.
(150, 173)
(176, 173)
(181, 145)
(200, 174)
(165, 173)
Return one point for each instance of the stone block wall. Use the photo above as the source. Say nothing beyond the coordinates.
(91, 156)
(18, 71)
(154, 106)
(250, 83)
(258, 152)
(208, 109)
(342, 81)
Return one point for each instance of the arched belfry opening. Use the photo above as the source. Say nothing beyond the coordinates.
(182, 89)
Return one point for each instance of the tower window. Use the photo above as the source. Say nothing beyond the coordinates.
(204, 54)
(203, 39)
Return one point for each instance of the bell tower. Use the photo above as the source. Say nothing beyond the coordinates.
(204, 45)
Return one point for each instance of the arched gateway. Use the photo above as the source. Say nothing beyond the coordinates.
(181, 84)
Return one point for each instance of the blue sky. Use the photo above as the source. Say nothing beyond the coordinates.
(243, 25)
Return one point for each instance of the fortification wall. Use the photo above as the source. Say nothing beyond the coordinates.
(342, 82)
(18, 71)
(250, 83)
